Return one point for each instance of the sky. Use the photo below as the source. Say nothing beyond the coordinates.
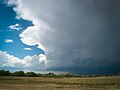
(74, 36)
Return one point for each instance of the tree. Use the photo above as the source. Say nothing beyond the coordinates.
(7, 73)
(4, 73)
(18, 73)
(30, 74)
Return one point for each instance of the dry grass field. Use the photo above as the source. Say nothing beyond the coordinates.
(40, 83)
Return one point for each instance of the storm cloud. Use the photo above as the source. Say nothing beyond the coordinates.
(76, 35)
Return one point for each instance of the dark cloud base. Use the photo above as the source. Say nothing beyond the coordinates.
(113, 69)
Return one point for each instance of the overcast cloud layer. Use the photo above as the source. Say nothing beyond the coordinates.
(75, 34)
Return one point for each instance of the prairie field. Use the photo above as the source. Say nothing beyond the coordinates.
(41, 83)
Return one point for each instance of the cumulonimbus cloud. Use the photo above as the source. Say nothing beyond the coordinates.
(72, 32)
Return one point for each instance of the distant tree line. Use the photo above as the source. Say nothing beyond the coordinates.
(48, 75)
(33, 74)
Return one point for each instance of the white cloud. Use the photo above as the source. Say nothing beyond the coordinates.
(35, 63)
(53, 30)
(28, 49)
(8, 40)
(15, 27)
(63, 29)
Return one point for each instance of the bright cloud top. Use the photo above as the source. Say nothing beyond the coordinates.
(8, 40)
(15, 27)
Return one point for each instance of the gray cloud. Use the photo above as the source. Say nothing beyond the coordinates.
(83, 33)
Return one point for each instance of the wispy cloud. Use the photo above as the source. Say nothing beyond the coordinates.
(27, 49)
(8, 40)
(15, 27)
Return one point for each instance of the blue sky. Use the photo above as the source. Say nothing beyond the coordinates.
(15, 48)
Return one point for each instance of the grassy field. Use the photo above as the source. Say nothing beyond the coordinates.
(40, 83)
